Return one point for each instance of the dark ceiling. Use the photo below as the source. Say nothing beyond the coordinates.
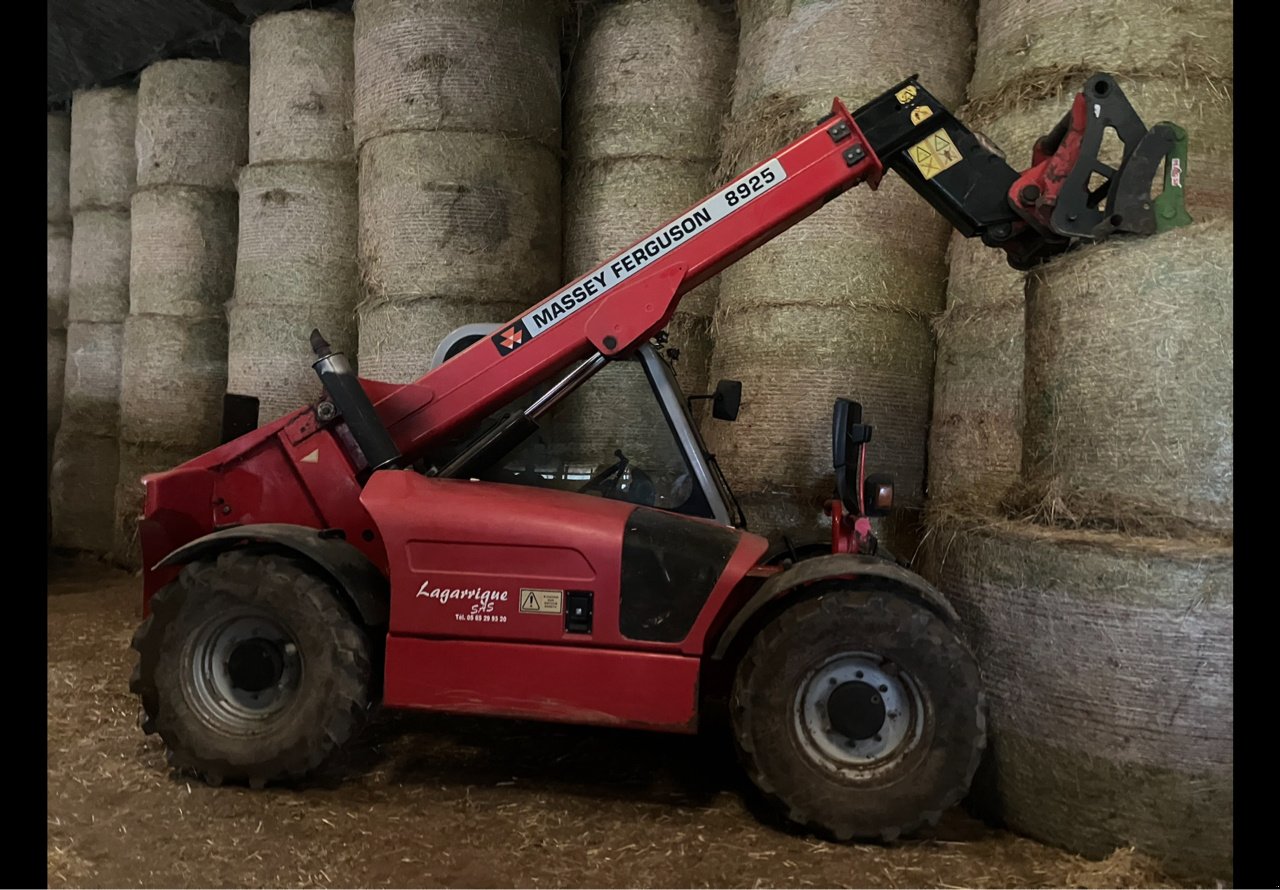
(104, 42)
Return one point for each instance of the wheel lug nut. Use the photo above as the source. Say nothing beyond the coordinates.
(884, 688)
(291, 649)
(877, 738)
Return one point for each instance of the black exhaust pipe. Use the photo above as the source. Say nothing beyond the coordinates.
(353, 405)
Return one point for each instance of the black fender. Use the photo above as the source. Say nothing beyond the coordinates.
(835, 565)
(365, 586)
(805, 547)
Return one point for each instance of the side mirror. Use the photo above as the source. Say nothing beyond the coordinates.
(727, 400)
(848, 436)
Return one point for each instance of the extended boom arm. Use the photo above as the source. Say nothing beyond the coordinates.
(630, 297)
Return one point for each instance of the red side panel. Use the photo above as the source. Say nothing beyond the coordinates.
(464, 559)
(460, 553)
(565, 684)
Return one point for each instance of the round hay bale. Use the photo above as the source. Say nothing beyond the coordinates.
(192, 123)
(300, 85)
(882, 249)
(173, 380)
(799, 54)
(55, 368)
(137, 459)
(58, 259)
(104, 167)
(297, 240)
(91, 399)
(82, 489)
(460, 66)
(398, 339)
(1018, 40)
(1107, 662)
(794, 359)
(838, 306)
(269, 354)
(975, 438)
(1137, 332)
(459, 215)
(651, 79)
(57, 168)
(100, 247)
(184, 251)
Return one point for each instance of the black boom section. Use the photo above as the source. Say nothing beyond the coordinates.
(669, 566)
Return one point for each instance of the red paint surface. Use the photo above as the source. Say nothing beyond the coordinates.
(445, 535)
(646, 690)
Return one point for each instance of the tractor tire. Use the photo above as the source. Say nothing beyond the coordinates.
(859, 714)
(251, 669)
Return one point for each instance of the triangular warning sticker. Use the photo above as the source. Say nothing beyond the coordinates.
(935, 153)
(530, 602)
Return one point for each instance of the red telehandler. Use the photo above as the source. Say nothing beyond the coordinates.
(433, 546)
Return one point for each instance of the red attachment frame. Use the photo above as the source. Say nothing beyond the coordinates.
(1035, 192)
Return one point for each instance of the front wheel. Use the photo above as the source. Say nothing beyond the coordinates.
(859, 713)
(251, 669)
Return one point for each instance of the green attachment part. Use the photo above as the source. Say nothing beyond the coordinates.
(1171, 206)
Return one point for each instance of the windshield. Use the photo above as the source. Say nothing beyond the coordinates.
(610, 438)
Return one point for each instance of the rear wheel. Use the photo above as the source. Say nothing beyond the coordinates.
(859, 713)
(251, 669)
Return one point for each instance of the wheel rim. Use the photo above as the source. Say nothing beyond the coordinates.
(858, 715)
(244, 670)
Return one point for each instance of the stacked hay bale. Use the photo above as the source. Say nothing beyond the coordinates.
(1107, 661)
(840, 305)
(58, 239)
(1108, 541)
(649, 86)
(85, 457)
(192, 138)
(296, 253)
(457, 127)
(650, 82)
(1030, 64)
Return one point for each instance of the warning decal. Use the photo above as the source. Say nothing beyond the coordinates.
(935, 153)
(546, 602)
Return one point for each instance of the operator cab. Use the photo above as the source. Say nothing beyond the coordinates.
(626, 433)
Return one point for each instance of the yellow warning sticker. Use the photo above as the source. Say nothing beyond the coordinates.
(935, 153)
(905, 95)
(547, 602)
(921, 113)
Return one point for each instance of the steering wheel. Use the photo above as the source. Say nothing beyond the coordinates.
(640, 489)
(597, 482)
